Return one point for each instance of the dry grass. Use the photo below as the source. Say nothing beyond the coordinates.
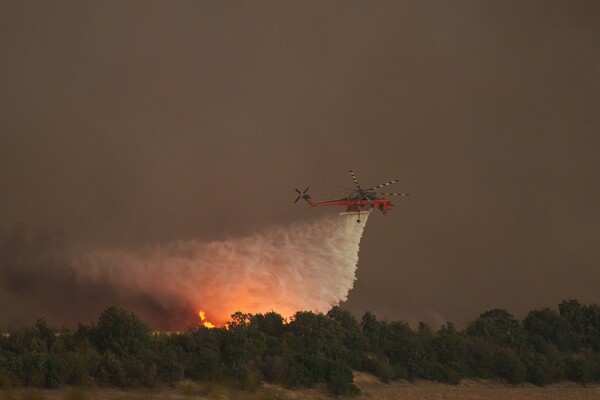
(371, 389)
(471, 390)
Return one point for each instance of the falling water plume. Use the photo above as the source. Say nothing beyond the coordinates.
(303, 266)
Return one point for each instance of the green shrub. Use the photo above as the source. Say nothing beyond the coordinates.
(508, 366)
(340, 380)
(111, 371)
(580, 369)
(274, 369)
(54, 376)
(439, 372)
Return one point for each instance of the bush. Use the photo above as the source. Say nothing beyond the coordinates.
(508, 366)
(274, 369)
(480, 357)
(580, 369)
(111, 371)
(168, 367)
(54, 376)
(543, 368)
(415, 358)
(382, 369)
(443, 373)
(31, 368)
(340, 380)
(299, 375)
(247, 378)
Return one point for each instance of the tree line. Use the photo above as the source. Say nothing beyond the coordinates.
(310, 349)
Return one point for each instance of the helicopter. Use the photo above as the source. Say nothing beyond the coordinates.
(358, 200)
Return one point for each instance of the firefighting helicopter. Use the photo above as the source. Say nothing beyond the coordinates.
(358, 200)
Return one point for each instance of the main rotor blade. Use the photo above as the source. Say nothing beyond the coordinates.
(297, 198)
(355, 180)
(333, 184)
(383, 184)
(395, 194)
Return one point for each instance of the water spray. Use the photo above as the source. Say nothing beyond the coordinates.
(304, 266)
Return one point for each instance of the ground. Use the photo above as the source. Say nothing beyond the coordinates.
(371, 388)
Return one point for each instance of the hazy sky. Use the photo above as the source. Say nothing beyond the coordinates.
(134, 123)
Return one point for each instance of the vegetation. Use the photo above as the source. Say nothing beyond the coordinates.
(311, 349)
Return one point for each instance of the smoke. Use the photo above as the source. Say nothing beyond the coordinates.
(303, 266)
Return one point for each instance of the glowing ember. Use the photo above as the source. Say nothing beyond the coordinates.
(203, 320)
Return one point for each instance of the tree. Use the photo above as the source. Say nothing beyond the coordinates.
(415, 358)
(451, 352)
(121, 332)
(573, 311)
(270, 324)
(354, 342)
(546, 327)
(498, 327)
(449, 345)
(202, 351)
(585, 320)
(396, 336)
(373, 331)
(317, 334)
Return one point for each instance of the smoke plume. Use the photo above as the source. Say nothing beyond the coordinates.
(303, 266)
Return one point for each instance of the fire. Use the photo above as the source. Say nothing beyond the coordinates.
(203, 320)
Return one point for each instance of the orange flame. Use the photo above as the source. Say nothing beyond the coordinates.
(203, 320)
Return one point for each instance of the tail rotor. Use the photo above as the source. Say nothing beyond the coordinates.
(302, 195)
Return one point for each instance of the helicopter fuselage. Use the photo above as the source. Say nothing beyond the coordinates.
(381, 203)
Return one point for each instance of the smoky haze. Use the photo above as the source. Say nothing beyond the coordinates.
(132, 124)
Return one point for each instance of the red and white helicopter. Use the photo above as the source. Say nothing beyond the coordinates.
(358, 200)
